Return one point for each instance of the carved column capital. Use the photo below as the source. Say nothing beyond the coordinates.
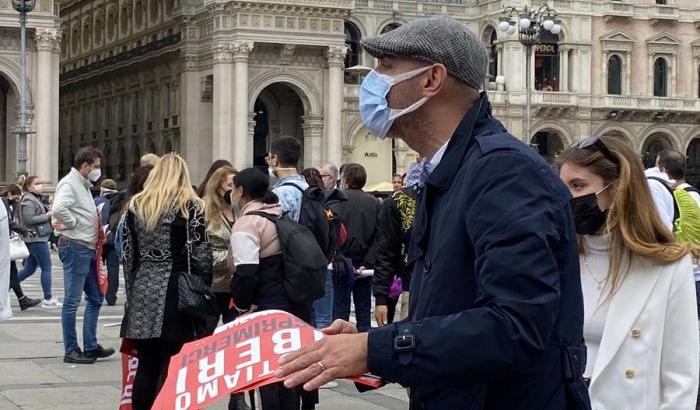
(221, 54)
(47, 39)
(336, 56)
(189, 62)
(242, 50)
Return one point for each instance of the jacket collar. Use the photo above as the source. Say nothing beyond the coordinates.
(79, 177)
(443, 175)
(625, 307)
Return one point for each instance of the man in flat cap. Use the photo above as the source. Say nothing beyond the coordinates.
(496, 310)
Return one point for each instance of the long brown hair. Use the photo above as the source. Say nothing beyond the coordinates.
(633, 221)
(213, 202)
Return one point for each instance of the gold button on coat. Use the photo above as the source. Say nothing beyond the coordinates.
(629, 373)
(636, 333)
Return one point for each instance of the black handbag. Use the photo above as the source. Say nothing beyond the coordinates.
(195, 299)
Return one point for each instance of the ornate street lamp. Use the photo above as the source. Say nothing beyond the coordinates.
(23, 7)
(529, 24)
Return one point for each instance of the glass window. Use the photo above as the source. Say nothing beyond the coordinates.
(547, 67)
(389, 27)
(660, 78)
(615, 75)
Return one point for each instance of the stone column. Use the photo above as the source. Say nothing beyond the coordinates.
(222, 141)
(336, 63)
(42, 92)
(243, 152)
(313, 138)
(195, 144)
(563, 69)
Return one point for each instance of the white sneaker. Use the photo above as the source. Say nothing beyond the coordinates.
(51, 304)
(329, 385)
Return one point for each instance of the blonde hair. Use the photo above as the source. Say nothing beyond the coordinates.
(633, 221)
(149, 159)
(213, 202)
(168, 187)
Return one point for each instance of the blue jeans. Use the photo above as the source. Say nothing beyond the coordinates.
(323, 308)
(362, 297)
(39, 255)
(79, 274)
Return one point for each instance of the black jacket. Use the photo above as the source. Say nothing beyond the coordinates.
(12, 218)
(496, 309)
(391, 242)
(359, 214)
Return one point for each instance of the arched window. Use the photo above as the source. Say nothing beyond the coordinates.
(615, 75)
(389, 27)
(352, 42)
(489, 39)
(660, 78)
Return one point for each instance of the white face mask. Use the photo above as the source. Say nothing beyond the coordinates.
(95, 175)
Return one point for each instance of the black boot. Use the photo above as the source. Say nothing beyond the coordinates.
(237, 402)
(26, 303)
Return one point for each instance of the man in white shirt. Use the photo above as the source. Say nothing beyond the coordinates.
(659, 184)
(673, 164)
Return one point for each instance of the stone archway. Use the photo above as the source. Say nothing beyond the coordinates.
(280, 109)
(692, 168)
(9, 100)
(652, 146)
(549, 143)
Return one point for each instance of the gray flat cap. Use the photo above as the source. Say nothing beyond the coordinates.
(435, 40)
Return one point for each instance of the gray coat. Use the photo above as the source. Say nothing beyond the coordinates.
(34, 213)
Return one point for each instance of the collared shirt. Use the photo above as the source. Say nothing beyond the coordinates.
(290, 197)
(437, 157)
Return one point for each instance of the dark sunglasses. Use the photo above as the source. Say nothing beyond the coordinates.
(595, 143)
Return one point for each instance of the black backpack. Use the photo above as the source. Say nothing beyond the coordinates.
(305, 265)
(316, 213)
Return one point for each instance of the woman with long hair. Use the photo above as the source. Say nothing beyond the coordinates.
(257, 282)
(37, 217)
(219, 163)
(640, 319)
(10, 198)
(158, 223)
(220, 217)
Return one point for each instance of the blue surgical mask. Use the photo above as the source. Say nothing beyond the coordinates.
(376, 114)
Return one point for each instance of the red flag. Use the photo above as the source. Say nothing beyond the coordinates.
(130, 364)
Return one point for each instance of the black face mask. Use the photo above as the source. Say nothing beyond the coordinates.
(588, 217)
(227, 196)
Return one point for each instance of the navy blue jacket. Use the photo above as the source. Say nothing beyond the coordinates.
(496, 310)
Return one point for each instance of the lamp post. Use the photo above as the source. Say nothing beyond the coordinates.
(529, 24)
(23, 7)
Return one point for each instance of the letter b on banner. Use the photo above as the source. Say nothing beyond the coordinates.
(286, 341)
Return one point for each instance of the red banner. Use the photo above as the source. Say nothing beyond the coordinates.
(129, 366)
(239, 356)
(100, 269)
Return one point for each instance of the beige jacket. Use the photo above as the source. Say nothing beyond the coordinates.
(74, 207)
(220, 242)
(253, 237)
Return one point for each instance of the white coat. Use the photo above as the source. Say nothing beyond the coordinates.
(649, 356)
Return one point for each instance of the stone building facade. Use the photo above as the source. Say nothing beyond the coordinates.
(221, 79)
(43, 42)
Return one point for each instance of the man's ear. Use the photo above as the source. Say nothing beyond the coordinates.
(435, 80)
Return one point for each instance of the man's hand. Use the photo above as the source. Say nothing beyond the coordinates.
(342, 353)
(381, 313)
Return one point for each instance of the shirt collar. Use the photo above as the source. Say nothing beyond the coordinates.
(84, 180)
(437, 157)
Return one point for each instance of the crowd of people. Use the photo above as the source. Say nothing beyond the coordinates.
(499, 280)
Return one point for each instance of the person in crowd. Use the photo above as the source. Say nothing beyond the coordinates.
(329, 175)
(660, 184)
(496, 307)
(77, 224)
(219, 163)
(149, 160)
(640, 322)
(257, 283)
(11, 196)
(359, 214)
(37, 217)
(162, 217)
(5, 308)
(673, 164)
(220, 218)
(313, 177)
(397, 182)
(283, 159)
(108, 190)
(391, 277)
